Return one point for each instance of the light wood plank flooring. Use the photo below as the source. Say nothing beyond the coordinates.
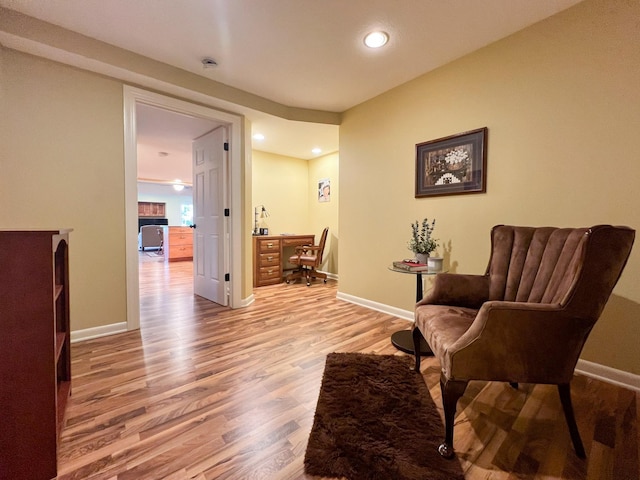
(205, 392)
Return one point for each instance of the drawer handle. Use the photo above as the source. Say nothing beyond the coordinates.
(270, 271)
(269, 258)
(269, 245)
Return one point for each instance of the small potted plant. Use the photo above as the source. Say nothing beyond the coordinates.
(422, 243)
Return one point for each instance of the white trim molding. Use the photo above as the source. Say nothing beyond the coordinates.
(96, 332)
(380, 307)
(620, 378)
(330, 276)
(245, 302)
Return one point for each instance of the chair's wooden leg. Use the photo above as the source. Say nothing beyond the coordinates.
(565, 398)
(293, 275)
(452, 390)
(417, 336)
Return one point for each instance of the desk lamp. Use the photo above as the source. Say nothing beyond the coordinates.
(264, 212)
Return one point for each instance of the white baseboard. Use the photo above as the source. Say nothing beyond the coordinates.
(620, 378)
(380, 307)
(584, 367)
(330, 276)
(103, 331)
(96, 332)
(245, 302)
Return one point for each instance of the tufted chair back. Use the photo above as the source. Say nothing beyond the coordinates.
(558, 266)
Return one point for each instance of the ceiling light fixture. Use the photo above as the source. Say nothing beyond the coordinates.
(258, 136)
(316, 151)
(376, 39)
(178, 186)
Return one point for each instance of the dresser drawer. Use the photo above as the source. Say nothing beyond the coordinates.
(269, 260)
(269, 245)
(181, 230)
(180, 251)
(294, 242)
(269, 275)
(180, 238)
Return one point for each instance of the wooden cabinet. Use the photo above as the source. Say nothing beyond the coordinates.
(267, 265)
(269, 254)
(35, 360)
(151, 209)
(178, 243)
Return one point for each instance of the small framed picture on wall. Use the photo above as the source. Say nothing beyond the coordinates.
(324, 190)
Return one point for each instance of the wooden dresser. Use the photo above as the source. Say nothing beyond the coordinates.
(178, 243)
(269, 256)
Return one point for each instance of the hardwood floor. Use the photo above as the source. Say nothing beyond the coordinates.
(205, 392)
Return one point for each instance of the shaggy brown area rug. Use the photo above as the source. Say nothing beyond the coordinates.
(375, 419)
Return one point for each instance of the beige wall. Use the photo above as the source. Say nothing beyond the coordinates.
(280, 184)
(287, 187)
(561, 100)
(325, 214)
(62, 166)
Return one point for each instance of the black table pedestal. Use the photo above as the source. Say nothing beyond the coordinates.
(403, 341)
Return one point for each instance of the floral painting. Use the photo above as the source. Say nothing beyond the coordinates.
(451, 165)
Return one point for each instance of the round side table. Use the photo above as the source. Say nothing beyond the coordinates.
(403, 339)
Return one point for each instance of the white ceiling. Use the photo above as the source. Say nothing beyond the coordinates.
(159, 131)
(300, 53)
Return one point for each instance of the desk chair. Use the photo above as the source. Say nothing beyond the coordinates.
(308, 258)
(527, 318)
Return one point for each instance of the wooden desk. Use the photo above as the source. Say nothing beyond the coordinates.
(269, 258)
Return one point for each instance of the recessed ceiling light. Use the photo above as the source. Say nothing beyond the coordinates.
(258, 136)
(316, 151)
(376, 39)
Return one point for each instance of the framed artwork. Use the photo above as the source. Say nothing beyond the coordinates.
(324, 190)
(452, 165)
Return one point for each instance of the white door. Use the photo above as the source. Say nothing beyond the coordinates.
(209, 200)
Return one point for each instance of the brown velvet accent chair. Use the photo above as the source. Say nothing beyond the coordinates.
(527, 318)
(308, 258)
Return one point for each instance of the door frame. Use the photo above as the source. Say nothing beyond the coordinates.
(133, 96)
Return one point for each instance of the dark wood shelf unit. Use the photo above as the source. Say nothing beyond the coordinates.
(151, 209)
(35, 357)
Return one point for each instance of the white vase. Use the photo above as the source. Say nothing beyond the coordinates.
(422, 257)
(434, 264)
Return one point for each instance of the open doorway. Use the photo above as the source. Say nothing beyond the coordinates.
(164, 172)
(133, 100)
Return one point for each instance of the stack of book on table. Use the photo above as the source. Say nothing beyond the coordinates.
(410, 265)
